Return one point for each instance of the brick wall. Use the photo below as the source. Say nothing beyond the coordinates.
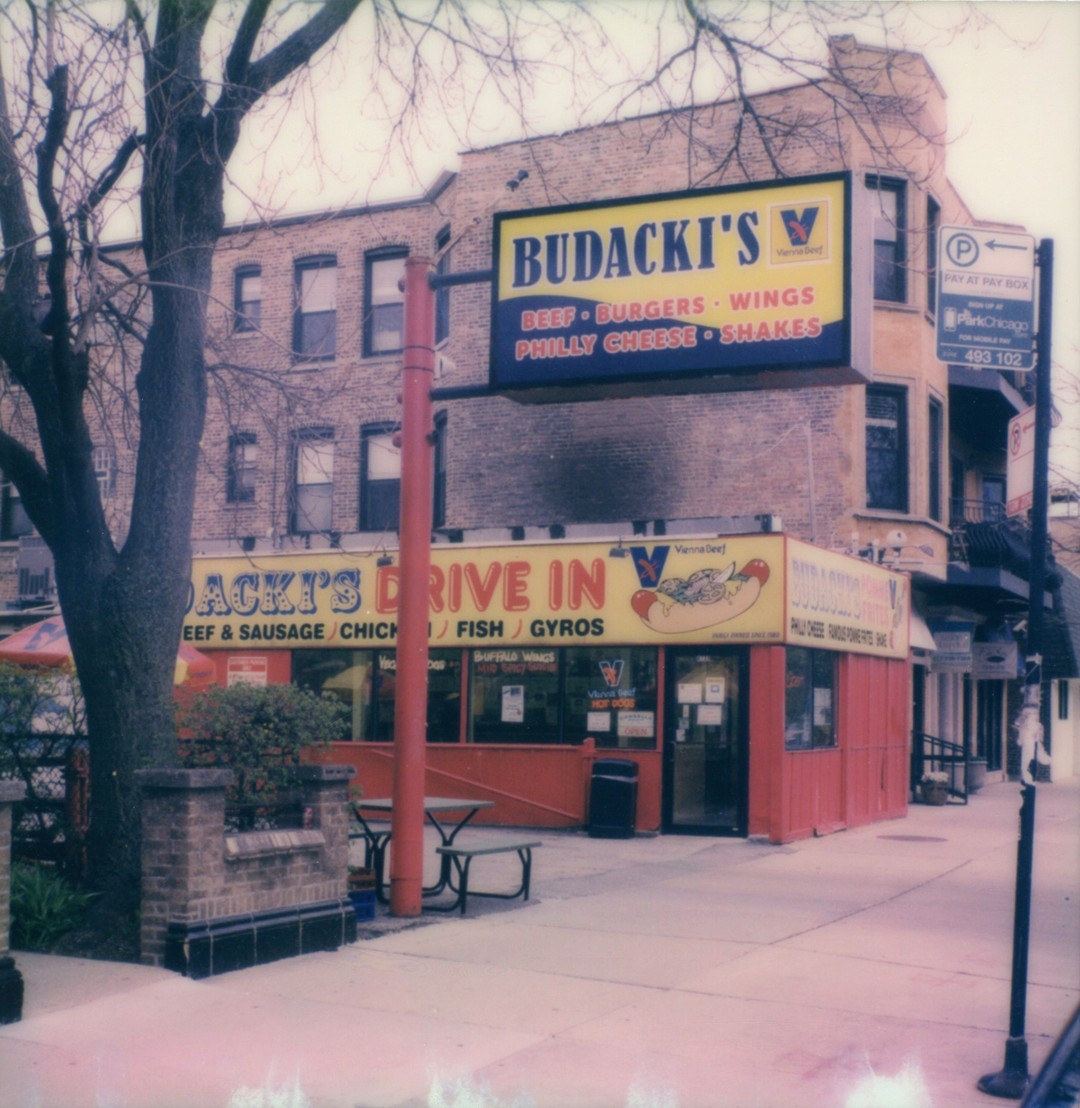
(11, 983)
(195, 873)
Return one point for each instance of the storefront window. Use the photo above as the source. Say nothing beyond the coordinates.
(514, 696)
(345, 675)
(809, 699)
(611, 696)
(444, 696)
(366, 680)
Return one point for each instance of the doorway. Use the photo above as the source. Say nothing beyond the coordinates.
(705, 742)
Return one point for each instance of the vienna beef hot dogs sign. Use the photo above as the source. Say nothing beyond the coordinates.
(748, 589)
(700, 290)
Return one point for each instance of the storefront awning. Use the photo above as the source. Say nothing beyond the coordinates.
(921, 638)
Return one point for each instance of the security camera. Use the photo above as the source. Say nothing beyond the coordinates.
(896, 537)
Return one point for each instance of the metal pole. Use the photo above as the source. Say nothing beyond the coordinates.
(410, 701)
(1012, 1080)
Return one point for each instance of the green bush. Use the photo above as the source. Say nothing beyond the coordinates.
(260, 732)
(44, 905)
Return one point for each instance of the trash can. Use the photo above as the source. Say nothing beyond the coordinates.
(613, 798)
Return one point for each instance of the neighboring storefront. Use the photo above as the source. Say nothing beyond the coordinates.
(759, 683)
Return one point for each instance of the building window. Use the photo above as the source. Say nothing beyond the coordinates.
(247, 298)
(384, 301)
(890, 247)
(809, 699)
(1063, 699)
(610, 696)
(933, 225)
(14, 522)
(313, 481)
(103, 459)
(364, 680)
(380, 479)
(936, 430)
(442, 296)
(993, 497)
(886, 448)
(315, 322)
(243, 454)
(514, 696)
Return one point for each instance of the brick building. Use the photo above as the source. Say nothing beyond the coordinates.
(905, 471)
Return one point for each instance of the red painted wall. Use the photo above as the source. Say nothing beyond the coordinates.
(796, 794)
(531, 786)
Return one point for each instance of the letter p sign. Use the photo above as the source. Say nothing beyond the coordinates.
(962, 250)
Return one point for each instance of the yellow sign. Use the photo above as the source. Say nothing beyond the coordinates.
(697, 590)
(730, 282)
(840, 603)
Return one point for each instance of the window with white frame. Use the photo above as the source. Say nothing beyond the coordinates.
(313, 481)
(315, 322)
(103, 459)
(384, 302)
(247, 298)
(380, 479)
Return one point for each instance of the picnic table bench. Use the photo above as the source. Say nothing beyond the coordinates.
(461, 858)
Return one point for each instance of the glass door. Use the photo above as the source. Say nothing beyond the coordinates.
(705, 762)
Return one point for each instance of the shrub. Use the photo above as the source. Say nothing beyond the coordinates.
(44, 905)
(260, 733)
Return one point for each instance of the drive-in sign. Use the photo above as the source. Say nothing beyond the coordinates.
(986, 298)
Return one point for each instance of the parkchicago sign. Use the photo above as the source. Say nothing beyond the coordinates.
(754, 286)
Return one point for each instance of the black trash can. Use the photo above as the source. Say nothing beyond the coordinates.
(613, 798)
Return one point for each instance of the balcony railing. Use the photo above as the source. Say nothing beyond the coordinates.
(982, 535)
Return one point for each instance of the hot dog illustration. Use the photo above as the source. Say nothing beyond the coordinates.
(703, 599)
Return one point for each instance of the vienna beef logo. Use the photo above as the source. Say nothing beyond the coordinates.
(649, 566)
(799, 234)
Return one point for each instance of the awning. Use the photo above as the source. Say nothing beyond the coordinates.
(921, 638)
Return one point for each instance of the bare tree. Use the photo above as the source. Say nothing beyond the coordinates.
(114, 109)
(66, 142)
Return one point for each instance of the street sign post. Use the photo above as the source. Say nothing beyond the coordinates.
(986, 298)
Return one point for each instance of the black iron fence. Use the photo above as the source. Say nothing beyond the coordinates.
(930, 754)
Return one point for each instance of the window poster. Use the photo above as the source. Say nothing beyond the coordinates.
(513, 704)
(690, 692)
(710, 715)
(636, 725)
(715, 690)
(598, 721)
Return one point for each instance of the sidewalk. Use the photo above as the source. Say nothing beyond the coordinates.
(670, 972)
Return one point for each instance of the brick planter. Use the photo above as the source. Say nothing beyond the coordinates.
(214, 902)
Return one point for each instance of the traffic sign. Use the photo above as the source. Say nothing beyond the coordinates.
(1020, 465)
(986, 298)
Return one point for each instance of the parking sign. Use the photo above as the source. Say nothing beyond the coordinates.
(986, 298)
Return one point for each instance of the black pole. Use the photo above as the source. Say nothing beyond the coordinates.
(1013, 1079)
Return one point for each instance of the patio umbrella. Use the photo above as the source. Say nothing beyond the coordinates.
(46, 644)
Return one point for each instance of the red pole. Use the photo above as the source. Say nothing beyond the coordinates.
(410, 701)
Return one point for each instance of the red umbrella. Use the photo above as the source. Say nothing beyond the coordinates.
(46, 644)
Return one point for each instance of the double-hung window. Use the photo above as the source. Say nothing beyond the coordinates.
(442, 295)
(886, 448)
(937, 448)
(933, 226)
(315, 322)
(890, 238)
(380, 479)
(243, 454)
(384, 302)
(313, 480)
(247, 298)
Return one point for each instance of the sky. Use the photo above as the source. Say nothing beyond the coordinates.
(1013, 94)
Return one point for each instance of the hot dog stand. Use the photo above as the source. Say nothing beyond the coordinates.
(759, 683)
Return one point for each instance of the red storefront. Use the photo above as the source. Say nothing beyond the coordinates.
(759, 683)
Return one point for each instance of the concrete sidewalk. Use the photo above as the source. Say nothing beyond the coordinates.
(668, 972)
